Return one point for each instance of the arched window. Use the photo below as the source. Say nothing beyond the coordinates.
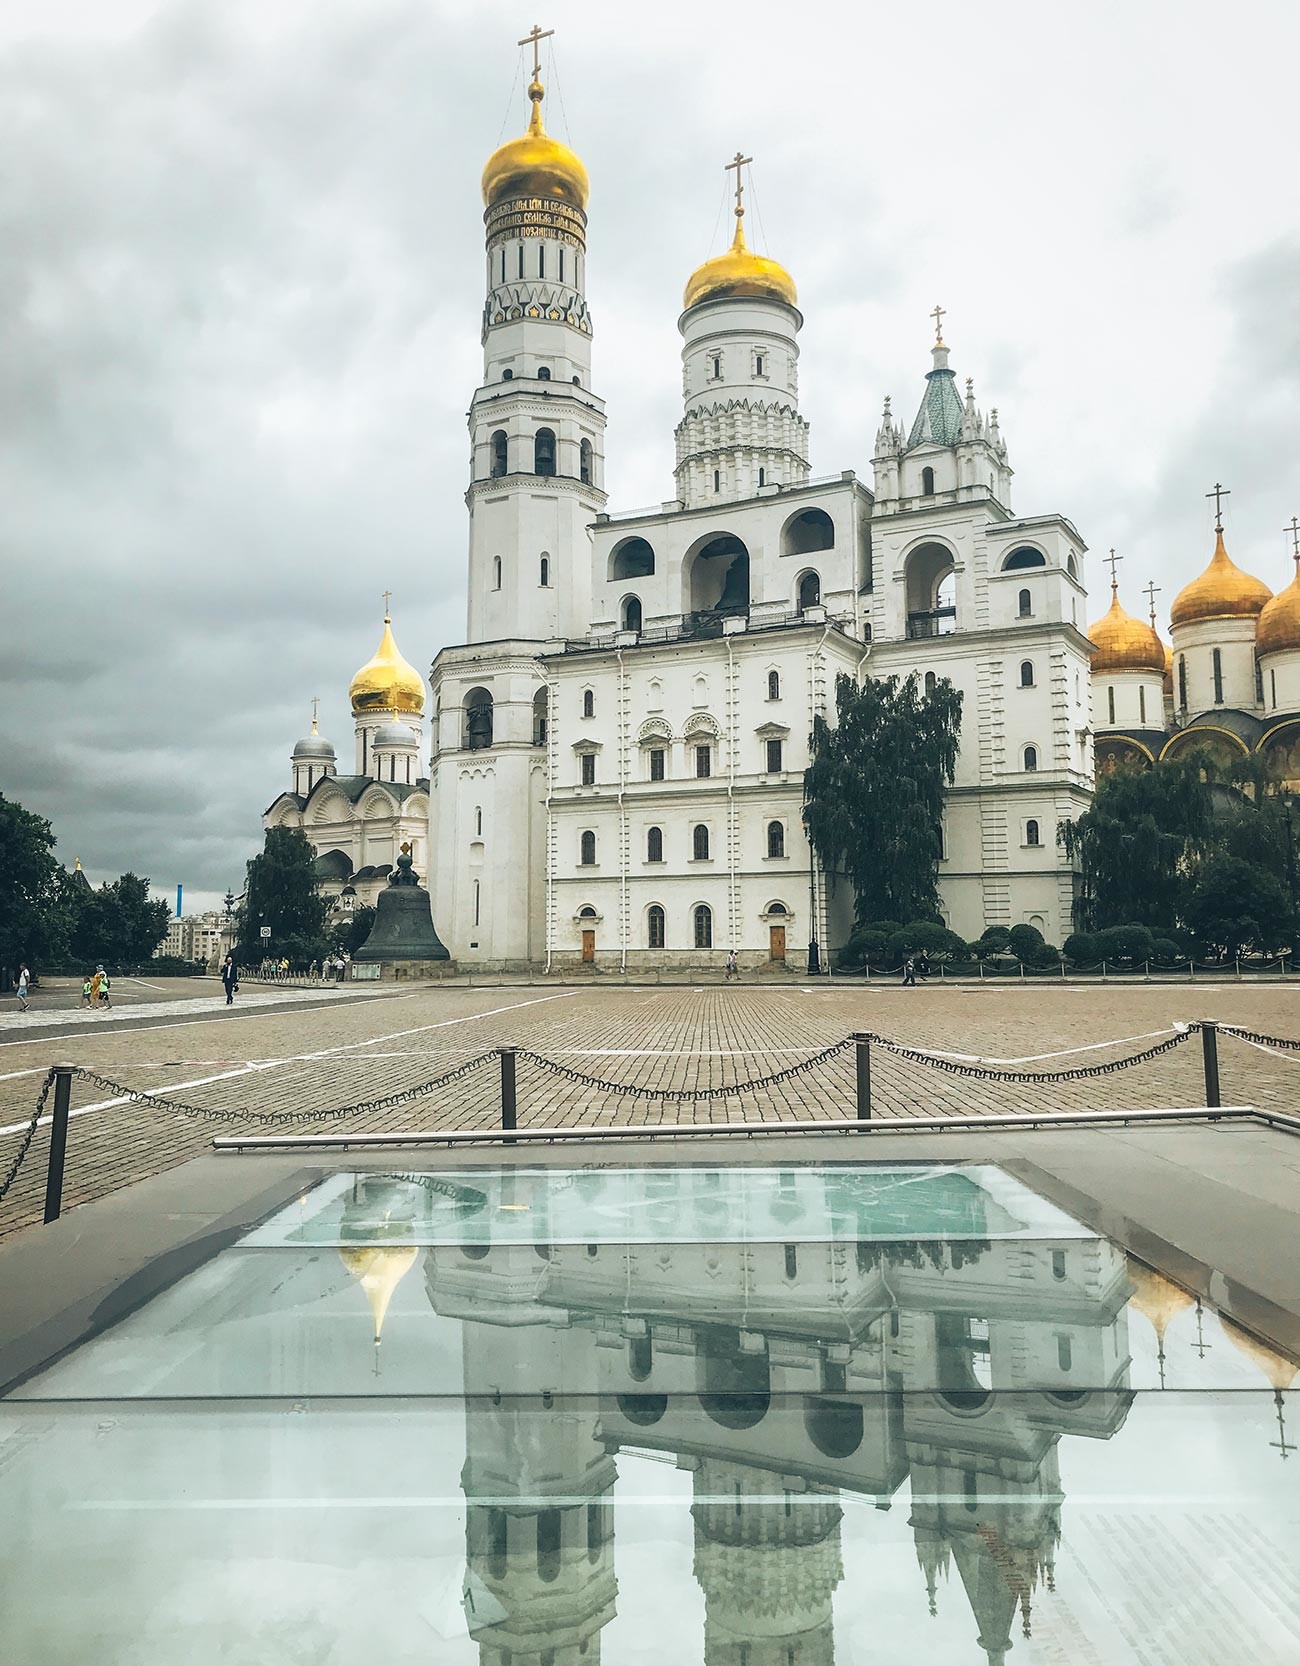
(1031, 833)
(927, 482)
(1026, 604)
(774, 685)
(1031, 758)
(1026, 673)
(930, 682)
(496, 572)
(717, 480)
(633, 558)
(584, 462)
(539, 717)
(545, 565)
(762, 477)
(478, 720)
(587, 854)
(717, 367)
(1217, 661)
(810, 591)
(632, 614)
(654, 926)
(654, 844)
(1025, 556)
(548, 1545)
(500, 453)
(1142, 702)
(758, 364)
(1110, 704)
(700, 842)
(478, 821)
(703, 926)
(506, 375)
(1182, 681)
(544, 451)
(588, 702)
(543, 373)
(812, 529)
(776, 838)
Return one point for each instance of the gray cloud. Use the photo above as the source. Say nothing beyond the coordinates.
(240, 283)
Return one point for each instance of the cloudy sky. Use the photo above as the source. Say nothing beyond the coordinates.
(240, 282)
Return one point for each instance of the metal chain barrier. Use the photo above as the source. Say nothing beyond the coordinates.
(682, 1095)
(29, 1135)
(983, 1074)
(1259, 1039)
(364, 1107)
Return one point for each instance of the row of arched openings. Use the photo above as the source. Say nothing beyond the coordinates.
(544, 455)
(700, 844)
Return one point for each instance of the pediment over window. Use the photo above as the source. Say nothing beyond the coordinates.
(581, 746)
(700, 723)
(773, 731)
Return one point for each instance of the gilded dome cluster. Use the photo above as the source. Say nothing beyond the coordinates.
(387, 682)
(535, 165)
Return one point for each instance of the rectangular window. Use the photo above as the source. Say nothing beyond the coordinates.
(561, 262)
(1142, 704)
(588, 769)
(1272, 678)
(1217, 659)
(774, 762)
(1110, 703)
(541, 260)
(703, 761)
(657, 756)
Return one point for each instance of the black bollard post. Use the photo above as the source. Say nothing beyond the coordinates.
(58, 1141)
(1210, 1055)
(508, 1101)
(863, 1046)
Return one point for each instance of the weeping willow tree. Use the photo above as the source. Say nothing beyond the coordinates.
(874, 792)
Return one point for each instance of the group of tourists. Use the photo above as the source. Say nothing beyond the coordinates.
(95, 989)
(915, 966)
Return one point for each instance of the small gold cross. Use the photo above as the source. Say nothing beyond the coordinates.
(534, 38)
(1218, 494)
(938, 315)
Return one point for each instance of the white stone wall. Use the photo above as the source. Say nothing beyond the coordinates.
(1281, 675)
(1195, 646)
(1125, 700)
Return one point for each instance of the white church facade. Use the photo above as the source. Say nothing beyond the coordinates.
(618, 748)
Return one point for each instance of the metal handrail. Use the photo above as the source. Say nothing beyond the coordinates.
(236, 1143)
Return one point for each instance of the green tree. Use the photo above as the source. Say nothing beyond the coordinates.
(874, 792)
(119, 924)
(1237, 905)
(1137, 843)
(33, 898)
(282, 893)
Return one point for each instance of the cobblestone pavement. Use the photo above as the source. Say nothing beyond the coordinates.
(336, 1052)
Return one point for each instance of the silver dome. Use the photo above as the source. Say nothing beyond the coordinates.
(314, 746)
(390, 736)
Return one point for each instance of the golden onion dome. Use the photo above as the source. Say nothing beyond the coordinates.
(739, 275)
(1122, 643)
(1279, 623)
(1222, 591)
(1168, 684)
(1158, 1299)
(379, 1269)
(387, 682)
(535, 165)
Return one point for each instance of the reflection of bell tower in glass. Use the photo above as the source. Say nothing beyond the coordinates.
(538, 1482)
(768, 1562)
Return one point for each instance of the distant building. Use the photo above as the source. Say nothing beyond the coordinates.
(195, 937)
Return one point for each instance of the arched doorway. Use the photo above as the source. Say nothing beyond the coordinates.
(715, 579)
(811, 530)
(931, 591)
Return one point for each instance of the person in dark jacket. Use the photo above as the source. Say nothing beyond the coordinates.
(230, 978)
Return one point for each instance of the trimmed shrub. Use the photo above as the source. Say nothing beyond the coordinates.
(1165, 949)
(1080, 948)
(1125, 943)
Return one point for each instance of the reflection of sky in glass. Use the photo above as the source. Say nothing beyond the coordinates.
(378, 1443)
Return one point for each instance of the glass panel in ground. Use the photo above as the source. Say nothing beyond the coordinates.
(670, 1204)
(1143, 1531)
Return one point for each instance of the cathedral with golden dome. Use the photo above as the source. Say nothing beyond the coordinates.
(614, 773)
(1226, 685)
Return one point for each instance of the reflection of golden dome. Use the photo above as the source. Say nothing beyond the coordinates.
(1122, 643)
(387, 682)
(535, 165)
(1280, 1371)
(1222, 591)
(739, 274)
(379, 1269)
(1279, 623)
(1156, 1298)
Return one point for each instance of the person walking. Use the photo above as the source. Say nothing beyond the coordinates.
(85, 990)
(104, 986)
(923, 966)
(230, 978)
(95, 983)
(733, 971)
(24, 978)
(909, 972)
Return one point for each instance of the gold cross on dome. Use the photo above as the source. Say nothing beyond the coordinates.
(1151, 592)
(939, 315)
(1114, 561)
(315, 703)
(534, 38)
(1294, 530)
(388, 596)
(1218, 494)
(739, 162)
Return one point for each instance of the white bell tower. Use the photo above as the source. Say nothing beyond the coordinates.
(536, 427)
